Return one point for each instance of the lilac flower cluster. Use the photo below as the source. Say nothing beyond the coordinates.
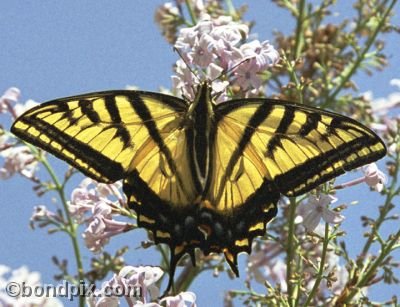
(17, 159)
(143, 278)
(93, 197)
(212, 48)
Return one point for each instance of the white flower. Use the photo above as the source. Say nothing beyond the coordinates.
(101, 227)
(18, 160)
(90, 193)
(10, 96)
(42, 217)
(374, 177)
(184, 81)
(181, 300)
(310, 213)
(137, 284)
(263, 54)
(94, 198)
(203, 51)
(247, 76)
(145, 277)
(102, 301)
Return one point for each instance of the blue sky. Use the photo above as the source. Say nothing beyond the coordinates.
(52, 49)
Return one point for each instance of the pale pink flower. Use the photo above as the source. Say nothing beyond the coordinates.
(184, 81)
(317, 207)
(18, 160)
(137, 285)
(97, 300)
(90, 203)
(232, 27)
(183, 299)
(393, 148)
(262, 55)
(198, 5)
(247, 77)
(82, 200)
(101, 227)
(227, 35)
(43, 217)
(143, 276)
(90, 193)
(10, 96)
(381, 106)
(374, 177)
(203, 51)
(217, 42)
(209, 38)
(3, 142)
(218, 86)
(189, 38)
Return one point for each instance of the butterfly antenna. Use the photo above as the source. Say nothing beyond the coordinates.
(230, 70)
(187, 64)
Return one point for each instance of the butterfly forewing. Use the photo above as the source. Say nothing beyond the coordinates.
(104, 135)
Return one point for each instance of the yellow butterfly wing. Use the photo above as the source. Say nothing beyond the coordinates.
(284, 146)
(107, 135)
(264, 148)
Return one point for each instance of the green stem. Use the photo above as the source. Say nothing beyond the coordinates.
(348, 73)
(373, 268)
(290, 251)
(72, 227)
(299, 41)
(292, 8)
(292, 73)
(321, 267)
(191, 12)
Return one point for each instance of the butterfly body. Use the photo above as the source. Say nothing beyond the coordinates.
(200, 175)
